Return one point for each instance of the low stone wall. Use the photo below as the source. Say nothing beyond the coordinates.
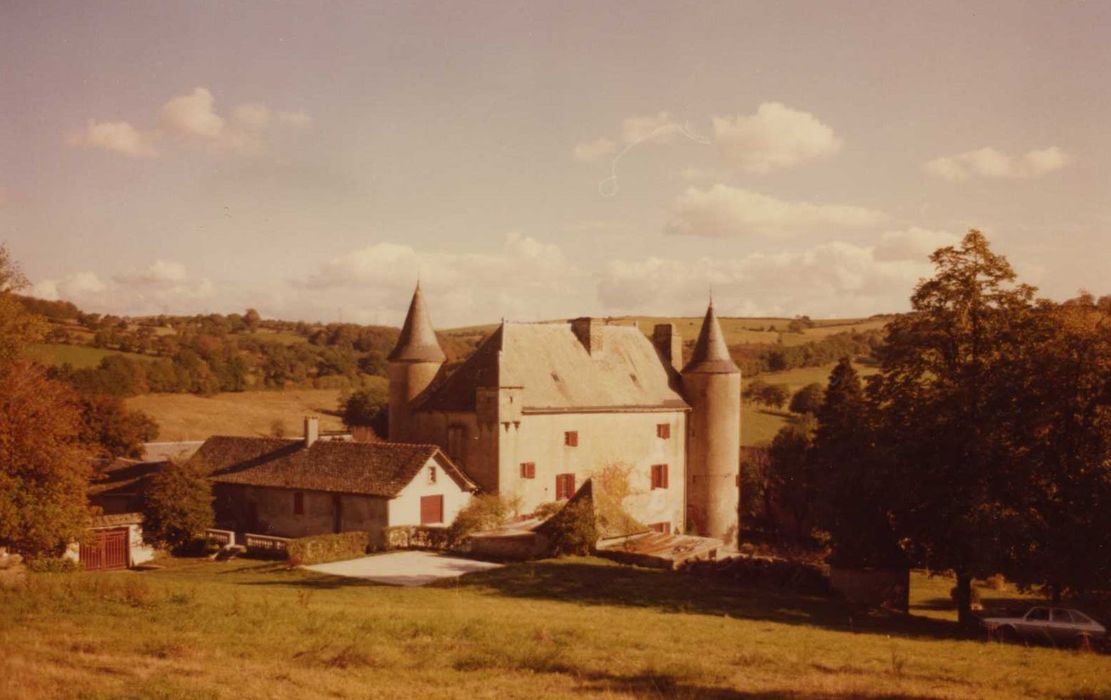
(876, 588)
(510, 547)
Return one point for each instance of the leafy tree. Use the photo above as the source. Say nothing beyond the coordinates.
(114, 430)
(754, 389)
(361, 406)
(807, 399)
(18, 328)
(775, 395)
(44, 469)
(939, 395)
(252, 319)
(177, 504)
(854, 487)
(792, 479)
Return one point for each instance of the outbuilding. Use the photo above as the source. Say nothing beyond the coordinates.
(311, 486)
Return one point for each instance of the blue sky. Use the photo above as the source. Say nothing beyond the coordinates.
(534, 161)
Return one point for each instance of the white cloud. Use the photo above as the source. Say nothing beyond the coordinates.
(588, 151)
(831, 279)
(722, 211)
(120, 137)
(913, 243)
(991, 163)
(524, 279)
(162, 286)
(775, 137)
(193, 115)
(193, 118)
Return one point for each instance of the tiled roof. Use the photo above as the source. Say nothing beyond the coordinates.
(116, 520)
(555, 371)
(373, 469)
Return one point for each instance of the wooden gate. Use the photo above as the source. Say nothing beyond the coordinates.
(108, 550)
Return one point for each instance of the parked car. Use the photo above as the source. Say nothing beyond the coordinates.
(1056, 626)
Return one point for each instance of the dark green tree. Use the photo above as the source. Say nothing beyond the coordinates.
(939, 397)
(807, 399)
(361, 406)
(177, 504)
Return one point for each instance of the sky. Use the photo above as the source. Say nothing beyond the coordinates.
(534, 160)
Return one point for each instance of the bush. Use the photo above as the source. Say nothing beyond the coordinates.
(485, 512)
(572, 530)
(53, 565)
(547, 510)
(319, 549)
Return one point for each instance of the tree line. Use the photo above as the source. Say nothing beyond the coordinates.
(983, 445)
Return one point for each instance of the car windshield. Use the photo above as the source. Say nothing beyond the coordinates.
(1080, 618)
(1038, 614)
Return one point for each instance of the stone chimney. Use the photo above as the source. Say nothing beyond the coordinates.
(669, 344)
(590, 332)
(312, 430)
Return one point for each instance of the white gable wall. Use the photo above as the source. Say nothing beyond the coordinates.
(404, 509)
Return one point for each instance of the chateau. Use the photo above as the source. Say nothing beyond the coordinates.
(540, 407)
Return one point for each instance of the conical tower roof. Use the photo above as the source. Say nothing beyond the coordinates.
(417, 342)
(711, 355)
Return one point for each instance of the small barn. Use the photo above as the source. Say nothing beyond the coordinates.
(303, 487)
(114, 541)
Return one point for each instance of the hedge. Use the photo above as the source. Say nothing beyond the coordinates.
(319, 549)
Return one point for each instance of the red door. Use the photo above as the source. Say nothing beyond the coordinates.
(108, 550)
(431, 510)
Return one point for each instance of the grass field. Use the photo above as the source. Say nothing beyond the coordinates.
(759, 424)
(579, 627)
(79, 356)
(189, 417)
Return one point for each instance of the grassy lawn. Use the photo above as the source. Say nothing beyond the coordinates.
(79, 356)
(566, 628)
(190, 417)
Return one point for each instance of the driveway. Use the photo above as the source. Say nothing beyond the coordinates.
(403, 568)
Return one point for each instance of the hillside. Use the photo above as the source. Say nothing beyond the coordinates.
(243, 630)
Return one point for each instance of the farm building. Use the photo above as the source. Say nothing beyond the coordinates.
(115, 541)
(309, 486)
(117, 484)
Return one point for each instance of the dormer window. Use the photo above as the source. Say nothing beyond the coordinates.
(571, 438)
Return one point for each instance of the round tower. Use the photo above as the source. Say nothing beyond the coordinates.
(712, 387)
(413, 364)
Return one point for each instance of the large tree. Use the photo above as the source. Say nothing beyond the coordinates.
(942, 404)
(177, 504)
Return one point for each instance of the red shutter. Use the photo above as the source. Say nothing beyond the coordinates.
(659, 476)
(571, 438)
(565, 486)
(528, 470)
(663, 431)
(663, 528)
(431, 510)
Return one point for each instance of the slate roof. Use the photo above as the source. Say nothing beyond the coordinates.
(371, 469)
(710, 354)
(555, 371)
(417, 342)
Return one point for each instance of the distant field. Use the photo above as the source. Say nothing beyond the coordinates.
(758, 424)
(189, 417)
(578, 627)
(79, 356)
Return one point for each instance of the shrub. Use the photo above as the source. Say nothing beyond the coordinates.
(53, 565)
(547, 510)
(485, 512)
(571, 530)
(319, 549)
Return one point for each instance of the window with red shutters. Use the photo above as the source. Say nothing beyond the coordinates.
(431, 510)
(528, 470)
(664, 528)
(663, 431)
(432, 475)
(571, 438)
(298, 503)
(659, 476)
(565, 486)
